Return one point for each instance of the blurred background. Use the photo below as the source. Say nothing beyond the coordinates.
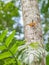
(10, 17)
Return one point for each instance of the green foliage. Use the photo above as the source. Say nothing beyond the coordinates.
(47, 59)
(9, 49)
(34, 45)
(9, 16)
(7, 12)
(3, 35)
(45, 17)
(45, 6)
(47, 47)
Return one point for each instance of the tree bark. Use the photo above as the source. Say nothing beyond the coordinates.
(33, 33)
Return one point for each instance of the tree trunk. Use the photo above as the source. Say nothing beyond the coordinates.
(32, 26)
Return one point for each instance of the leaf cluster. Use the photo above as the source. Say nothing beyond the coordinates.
(7, 12)
(8, 49)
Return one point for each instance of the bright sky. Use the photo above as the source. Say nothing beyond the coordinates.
(6, 1)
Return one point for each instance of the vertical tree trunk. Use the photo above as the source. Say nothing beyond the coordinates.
(33, 33)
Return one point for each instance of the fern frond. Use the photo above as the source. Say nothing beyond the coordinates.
(9, 49)
(2, 36)
(9, 39)
(2, 47)
(5, 55)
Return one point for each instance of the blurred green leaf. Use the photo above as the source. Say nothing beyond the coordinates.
(9, 39)
(2, 47)
(47, 59)
(2, 36)
(5, 55)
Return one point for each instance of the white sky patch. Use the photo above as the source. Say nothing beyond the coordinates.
(21, 19)
(46, 36)
(6, 1)
(19, 37)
